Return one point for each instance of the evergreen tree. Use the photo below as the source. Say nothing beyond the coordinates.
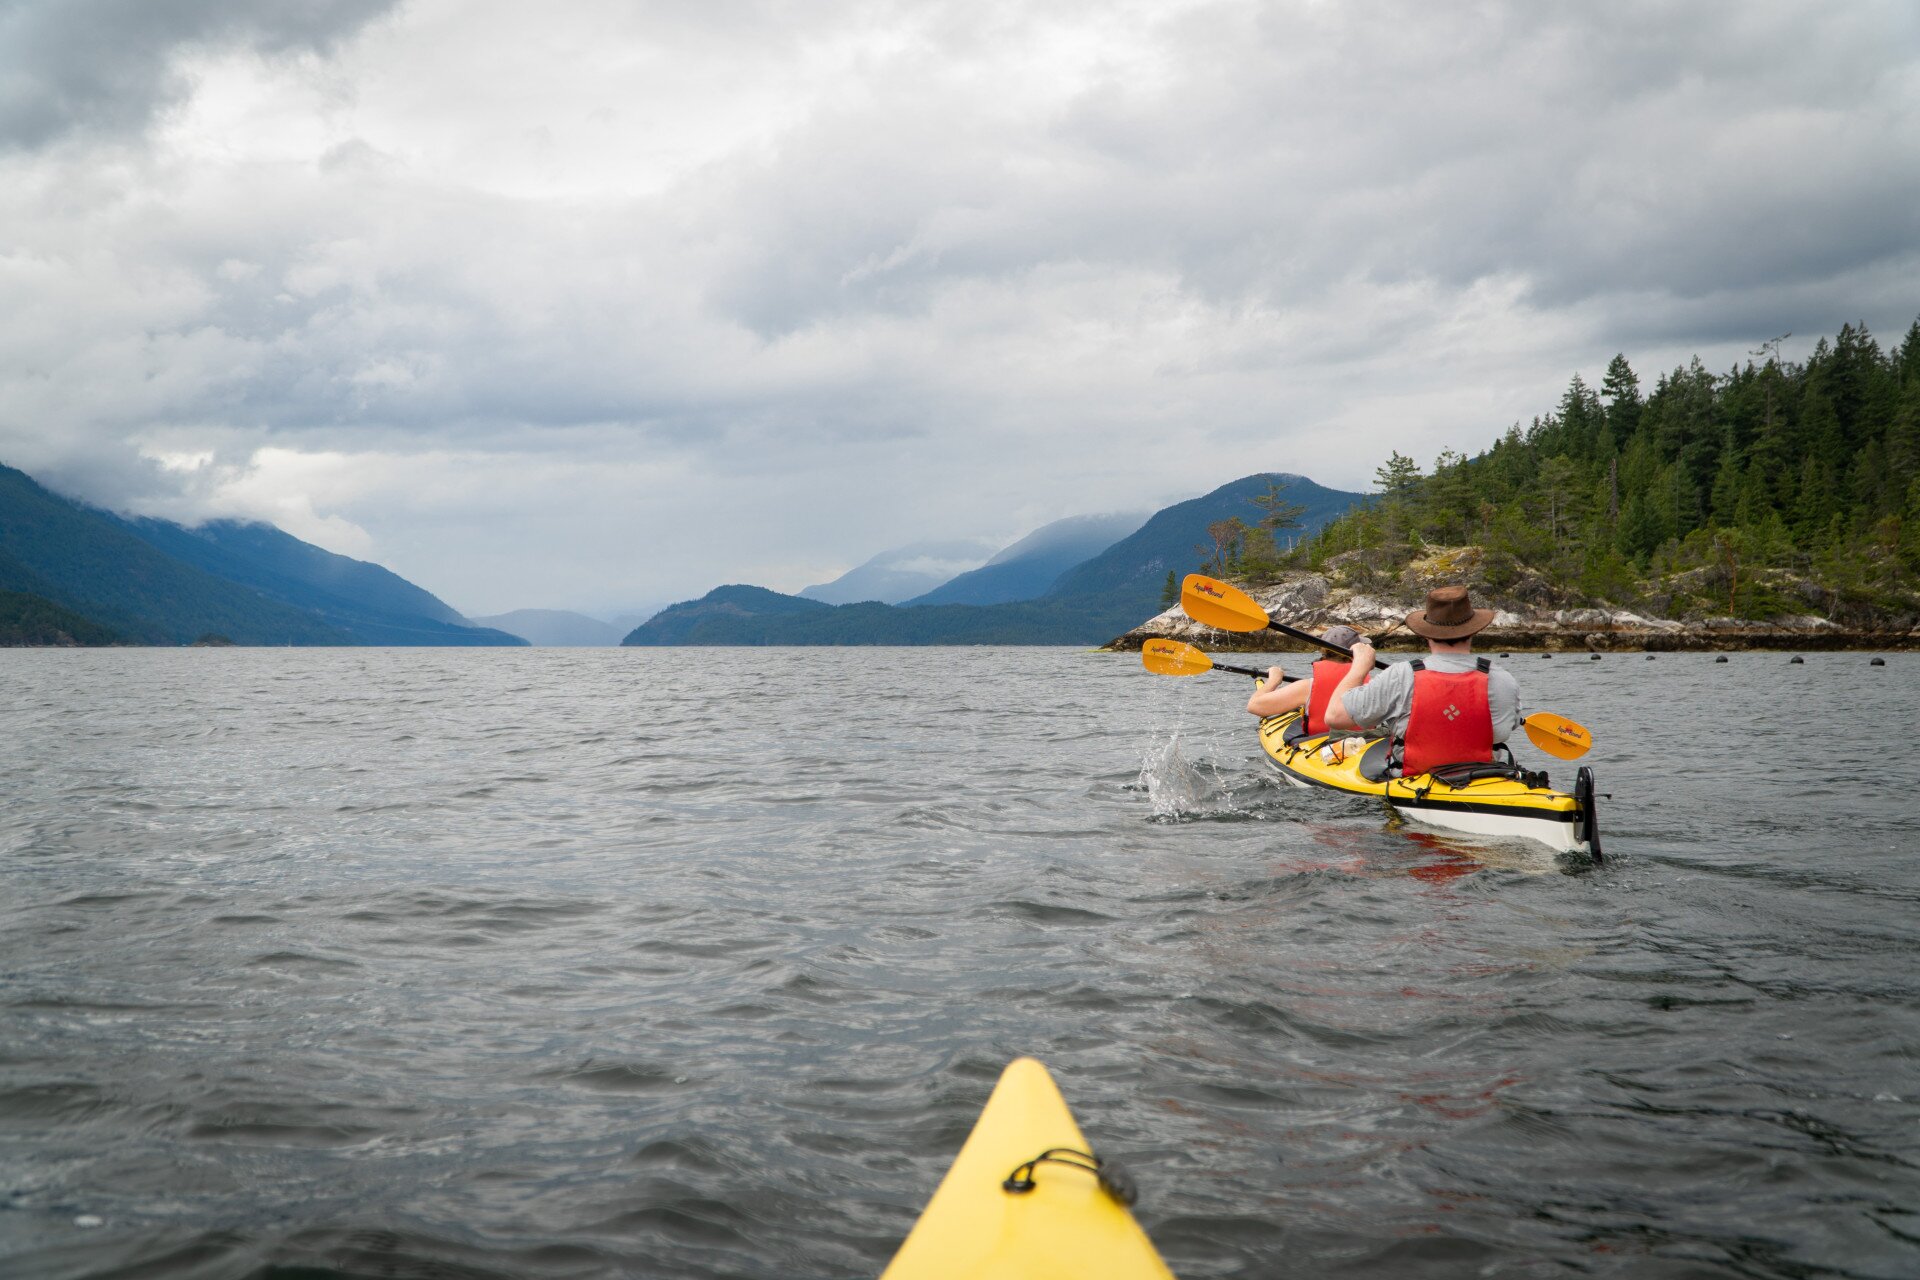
(1621, 390)
(1399, 479)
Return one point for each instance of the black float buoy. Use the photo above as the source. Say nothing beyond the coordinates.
(1546, 655)
(1878, 662)
(1721, 658)
(1506, 655)
(1649, 657)
(1795, 660)
(1596, 657)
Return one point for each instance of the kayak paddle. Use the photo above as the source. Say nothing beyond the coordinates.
(1213, 603)
(1557, 735)
(1172, 658)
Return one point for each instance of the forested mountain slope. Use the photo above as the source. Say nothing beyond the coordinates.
(371, 603)
(1774, 488)
(83, 560)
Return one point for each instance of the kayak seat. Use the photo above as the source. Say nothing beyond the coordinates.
(1376, 764)
(1508, 768)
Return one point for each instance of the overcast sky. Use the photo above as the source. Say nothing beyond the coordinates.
(595, 304)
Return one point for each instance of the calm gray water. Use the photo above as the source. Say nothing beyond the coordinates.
(580, 963)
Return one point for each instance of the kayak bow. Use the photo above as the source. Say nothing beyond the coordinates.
(1026, 1198)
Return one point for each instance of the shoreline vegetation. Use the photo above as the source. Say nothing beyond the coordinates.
(1775, 506)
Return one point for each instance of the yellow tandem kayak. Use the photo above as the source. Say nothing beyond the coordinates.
(1026, 1198)
(1483, 800)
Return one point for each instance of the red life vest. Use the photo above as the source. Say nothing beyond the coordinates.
(1450, 720)
(1327, 675)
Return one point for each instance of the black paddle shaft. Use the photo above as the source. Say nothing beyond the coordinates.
(1310, 638)
(1255, 672)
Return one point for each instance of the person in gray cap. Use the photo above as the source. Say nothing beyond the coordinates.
(1445, 708)
(1272, 698)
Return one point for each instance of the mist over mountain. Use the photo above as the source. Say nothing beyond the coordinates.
(1026, 569)
(554, 628)
(371, 603)
(89, 562)
(151, 581)
(904, 572)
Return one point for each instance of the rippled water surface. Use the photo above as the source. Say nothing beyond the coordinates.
(571, 963)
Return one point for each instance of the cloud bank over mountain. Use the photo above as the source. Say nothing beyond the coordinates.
(615, 302)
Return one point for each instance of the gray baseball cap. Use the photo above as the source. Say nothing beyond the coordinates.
(1344, 636)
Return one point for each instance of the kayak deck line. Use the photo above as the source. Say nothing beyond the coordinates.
(1504, 804)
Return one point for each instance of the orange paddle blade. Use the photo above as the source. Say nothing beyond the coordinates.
(1213, 603)
(1558, 736)
(1171, 658)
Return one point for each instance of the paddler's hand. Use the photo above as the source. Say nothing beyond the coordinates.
(1363, 656)
(1274, 676)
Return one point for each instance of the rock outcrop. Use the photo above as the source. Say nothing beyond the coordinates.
(1529, 614)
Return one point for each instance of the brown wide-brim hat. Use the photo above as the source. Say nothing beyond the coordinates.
(1449, 615)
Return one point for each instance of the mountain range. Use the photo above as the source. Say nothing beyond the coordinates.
(74, 574)
(1084, 602)
(148, 581)
(893, 576)
(1028, 568)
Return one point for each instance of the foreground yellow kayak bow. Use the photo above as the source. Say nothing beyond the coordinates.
(1026, 1198)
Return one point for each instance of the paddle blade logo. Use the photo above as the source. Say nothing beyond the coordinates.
(1172, 658)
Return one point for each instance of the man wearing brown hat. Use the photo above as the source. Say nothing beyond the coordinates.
(1449, 706)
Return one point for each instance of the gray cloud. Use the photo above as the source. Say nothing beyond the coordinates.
(108, 64)
(863, 275)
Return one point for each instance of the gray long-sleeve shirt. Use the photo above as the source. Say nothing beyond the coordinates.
(1385, 702)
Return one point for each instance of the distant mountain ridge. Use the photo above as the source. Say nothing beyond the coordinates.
(1084, 604)
(1136, 567)
(1028, 568)
(156, 582)
(895, 575)
(370, 603)
(560, 628)
(90, 563)
(724, 611)
(729, 616)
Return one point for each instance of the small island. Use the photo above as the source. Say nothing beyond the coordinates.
(1776, 506)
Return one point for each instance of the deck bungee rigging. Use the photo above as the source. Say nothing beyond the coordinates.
(1027, 1199)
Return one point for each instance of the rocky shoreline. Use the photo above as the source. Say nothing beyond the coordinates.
(1313, 602)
